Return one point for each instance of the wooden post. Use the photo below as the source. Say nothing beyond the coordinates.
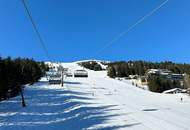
(21, 92)
(62, 77)
(22, 97)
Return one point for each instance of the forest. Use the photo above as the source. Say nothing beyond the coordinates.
(14, 73)
(124, 69)
(155, 83)
(92, 65)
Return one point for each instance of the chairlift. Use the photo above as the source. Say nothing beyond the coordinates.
(55, 77)
(80, 73)
(69, 74)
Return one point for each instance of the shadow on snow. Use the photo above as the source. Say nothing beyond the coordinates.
(54, 109)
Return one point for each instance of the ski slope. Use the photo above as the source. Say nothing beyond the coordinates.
(96, 102)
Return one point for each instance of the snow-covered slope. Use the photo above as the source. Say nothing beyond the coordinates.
(96, 102)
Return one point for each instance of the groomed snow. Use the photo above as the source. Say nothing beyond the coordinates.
(96, 102)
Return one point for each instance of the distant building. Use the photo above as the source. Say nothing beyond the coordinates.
(158, 72)
(188, 91)
(175, 90)
(187, 81)
(166, 74)
(142, 80)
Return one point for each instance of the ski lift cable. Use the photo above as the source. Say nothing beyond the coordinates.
(36, 30)
(130, 28)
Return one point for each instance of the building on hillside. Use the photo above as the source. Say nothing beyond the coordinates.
(178, 77)
(142, 80)
(187, 81)
(188, 91)
(175, 90)
(166, 74)
(158, 72)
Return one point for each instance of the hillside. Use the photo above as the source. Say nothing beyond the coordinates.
(96, 102)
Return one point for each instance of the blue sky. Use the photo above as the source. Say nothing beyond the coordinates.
(76, 29)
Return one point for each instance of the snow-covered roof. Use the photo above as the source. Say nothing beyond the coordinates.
(160, 71)
(178, 90)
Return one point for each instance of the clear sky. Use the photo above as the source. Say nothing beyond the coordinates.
(77, 29)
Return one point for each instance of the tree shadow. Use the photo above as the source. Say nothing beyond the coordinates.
(49, 109)
(150, 109)
(67, 82)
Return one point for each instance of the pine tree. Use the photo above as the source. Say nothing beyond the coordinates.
(111, 72)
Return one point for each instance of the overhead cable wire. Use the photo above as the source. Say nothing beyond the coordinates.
(36, 30)
(130, 28)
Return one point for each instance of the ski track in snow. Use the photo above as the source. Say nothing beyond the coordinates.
(96, 102)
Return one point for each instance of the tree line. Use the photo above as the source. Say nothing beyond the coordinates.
(16, 72)
(155, 83)
(92, 65)
(158, 84)
(124, 69)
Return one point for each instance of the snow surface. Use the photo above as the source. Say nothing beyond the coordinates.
(96, 102)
